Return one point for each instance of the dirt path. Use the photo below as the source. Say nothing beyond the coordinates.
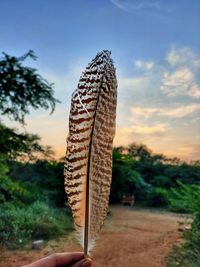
(130, 238)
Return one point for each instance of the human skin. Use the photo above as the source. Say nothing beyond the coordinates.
(72, 259)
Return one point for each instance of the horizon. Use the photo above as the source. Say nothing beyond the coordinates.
(156, 50)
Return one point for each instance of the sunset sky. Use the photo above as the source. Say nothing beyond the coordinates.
(156, 49)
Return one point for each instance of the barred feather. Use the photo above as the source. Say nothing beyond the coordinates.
(88, 164)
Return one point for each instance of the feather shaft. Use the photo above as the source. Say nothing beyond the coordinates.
(86, 229)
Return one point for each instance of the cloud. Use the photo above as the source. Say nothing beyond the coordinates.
(181, 81)
(130, 6)
(183, 56)
(142, 7)
(176, 76)
(154, 129)
(145, 112)
(195, 91)
(144, 65)
(140, 133)
(157, 105)
(118, 4)
(181, 77)
(173, 112)
(135, 82)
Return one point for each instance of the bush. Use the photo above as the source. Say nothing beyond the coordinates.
(157, 197)
(187, 198)
(20, 225)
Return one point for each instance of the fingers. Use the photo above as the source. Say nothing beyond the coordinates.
(82, 263)
(67, 258)
(87, 263)
(73, 259)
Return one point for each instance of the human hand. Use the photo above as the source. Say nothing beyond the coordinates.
(72, 259)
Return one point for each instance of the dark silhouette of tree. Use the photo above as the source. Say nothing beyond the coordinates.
(139, 151)
(22, 87)
(21, 145)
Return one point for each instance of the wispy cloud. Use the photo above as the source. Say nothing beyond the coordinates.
(182, 79)
(118, 4)
(173, 112)
(137, 5)
(140, 133)
(144, 65)
(151, 129)
(183, 56)
(155, 129)
(150, 7)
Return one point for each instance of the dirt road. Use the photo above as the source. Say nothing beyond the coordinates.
(130, 238)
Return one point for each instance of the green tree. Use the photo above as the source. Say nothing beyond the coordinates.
(125, 180)
(44, 176)
(21, 87)
(16, 145)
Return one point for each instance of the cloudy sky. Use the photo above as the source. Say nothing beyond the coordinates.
(155, 45)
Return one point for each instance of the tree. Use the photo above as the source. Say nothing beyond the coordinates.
(22, 87)
(21, 145)
(125, 180)
(139, 151)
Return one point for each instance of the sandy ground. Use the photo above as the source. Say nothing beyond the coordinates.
(130, 238)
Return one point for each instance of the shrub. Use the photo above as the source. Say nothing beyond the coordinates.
(157, 197)
(187, 198)
(20, 225)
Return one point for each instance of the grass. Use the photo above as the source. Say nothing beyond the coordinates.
(37, 221)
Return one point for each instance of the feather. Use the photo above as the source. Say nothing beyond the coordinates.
(88, 163)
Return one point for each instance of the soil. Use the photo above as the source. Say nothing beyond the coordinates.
(131, 237)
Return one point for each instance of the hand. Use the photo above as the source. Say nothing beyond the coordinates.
(72, 259)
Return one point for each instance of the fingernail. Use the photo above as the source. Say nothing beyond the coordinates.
(87, 263)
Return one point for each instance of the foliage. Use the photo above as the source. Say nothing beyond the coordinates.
(148, 176)
(46, 177)
(19, 225)
(21, 145)
(22, 87)
(17, 146)
(157, 197)
(9, 190)
(125, 180)
(187, 197)
(26, 202)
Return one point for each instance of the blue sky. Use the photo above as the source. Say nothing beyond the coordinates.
(156, 49)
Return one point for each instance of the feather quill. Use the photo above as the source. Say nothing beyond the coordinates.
(88, 163)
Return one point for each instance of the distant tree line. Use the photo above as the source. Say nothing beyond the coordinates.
(148, 176)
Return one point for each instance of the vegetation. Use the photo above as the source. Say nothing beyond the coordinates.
(151, 178)
(21, 87)
(27, 206)
(21, 224)
(187, 198)
(32, 198)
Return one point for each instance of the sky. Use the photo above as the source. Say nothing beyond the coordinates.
(155, 46)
